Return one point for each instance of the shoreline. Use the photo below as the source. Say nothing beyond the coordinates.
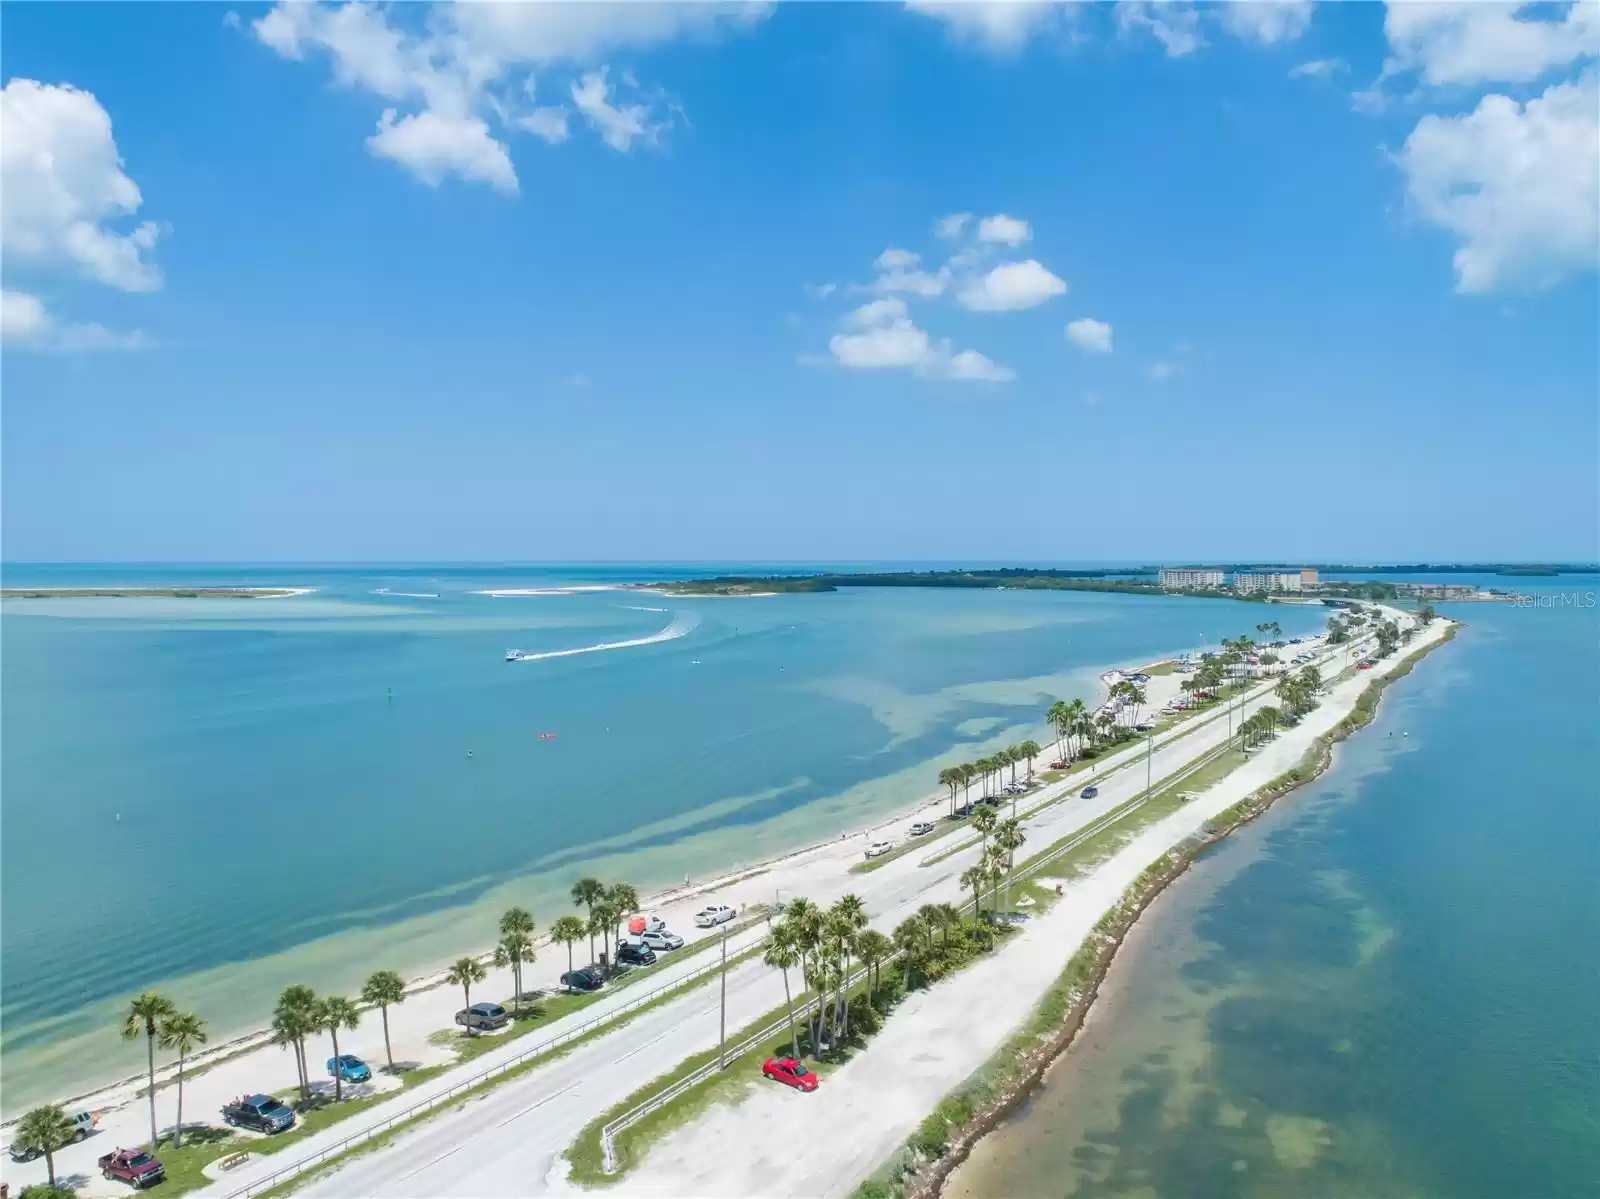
(929, 1180)
(108, 1094)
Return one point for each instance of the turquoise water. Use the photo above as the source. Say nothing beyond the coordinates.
(219, 797)
(1388, 985)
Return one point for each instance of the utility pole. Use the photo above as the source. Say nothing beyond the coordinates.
(1149, 753)
(722, 1030)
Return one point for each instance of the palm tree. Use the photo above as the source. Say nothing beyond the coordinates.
(872, 947)
(515, 948)
(968, 773)
(1029, 750)
(950, 777)
(147, 1008)
(45, 1129)
(586, 893)
(1059, 715)
(185, 1032)
(782, 954)
(973, 877)
(994, 862)
(806, 919)
(1009, 837)
(382, 989)
(851, 915)
(909, 937)
(934, 918)
(984, 820)
(333, 1013)
(624, 902)
(464, 973)
(605, 918)
(293, 1020)
(567, 930)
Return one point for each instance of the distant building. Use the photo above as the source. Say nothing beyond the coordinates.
(1436, 591)
(1308, 578)
(1247, 582)
(1189, 578)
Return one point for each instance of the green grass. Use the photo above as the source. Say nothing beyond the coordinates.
(1167, 667)
(943, 828)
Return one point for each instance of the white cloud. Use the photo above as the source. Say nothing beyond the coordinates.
(896, 344)
(914, 282)
(548, 123)
(433, 146)
(1518, 184)
(1012, 286)
(1175, 26)
(951, 226)
(969, 364)
(63, 184)
(1159, 372)
(1090, 335)
(1266, 21)
(447, 75)
(1004, 230)
(1318, 68)
(1482, 42)
(820, 291)
(26, 324)
(620, 127)
(876, 312)
(893, 258)
(1000, 26)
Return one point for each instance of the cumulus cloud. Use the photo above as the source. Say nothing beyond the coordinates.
(1090, 335)
(880, 335)
(26, 324)
(1475, 42)
(894, 257)
(458, 81)
(820, 291)
(1000, 26)
(434, 146)
(926, 284)
(1318, 68)
(952, 226)
(1011, 286)
(1266, 21)
(878, 311)
(65, 189)
(1517, 183)
(1004, 230)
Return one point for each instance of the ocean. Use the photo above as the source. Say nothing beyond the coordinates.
(1385, 987)
(220, 797)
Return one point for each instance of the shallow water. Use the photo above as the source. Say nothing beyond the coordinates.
(223, 796)
(1387, 985)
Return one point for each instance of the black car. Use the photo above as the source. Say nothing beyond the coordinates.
(963, 811)
(1088, 792)
(586, 979)
(629, 954)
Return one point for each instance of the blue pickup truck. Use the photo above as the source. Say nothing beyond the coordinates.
(263, 1113)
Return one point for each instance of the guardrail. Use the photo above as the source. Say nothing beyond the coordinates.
(608, 1132)
(425, 1105)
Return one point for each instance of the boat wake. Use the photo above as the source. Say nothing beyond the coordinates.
(681, 625)
(407, 594)
(516, 592)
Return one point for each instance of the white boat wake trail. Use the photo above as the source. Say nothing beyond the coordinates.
(681, 625)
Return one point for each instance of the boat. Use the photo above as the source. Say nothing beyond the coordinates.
(515, 655)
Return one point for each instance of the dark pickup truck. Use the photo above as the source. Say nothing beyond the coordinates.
(260, 1112)
(133, 1166)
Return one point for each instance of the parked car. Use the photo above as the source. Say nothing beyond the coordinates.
(349, 1067)
(645, 922)
(584, 979)
(483, 1016)
(1144, 726)
(963, 811)
(82, 1126)
(790, 1073)
(661, 939)
(263, 1113)
(992, 801)
(713, 915)
(1088, 792)
(629, 954)
(132, 1166)
(922, 828)
(1062, 765)
(1016, 788)
(878, 848)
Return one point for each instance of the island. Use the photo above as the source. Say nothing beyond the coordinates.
(150, 592)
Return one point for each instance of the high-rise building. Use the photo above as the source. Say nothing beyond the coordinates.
(1249, 581)
(1189, 578)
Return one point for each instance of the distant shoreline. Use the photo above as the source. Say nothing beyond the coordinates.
(153, 592)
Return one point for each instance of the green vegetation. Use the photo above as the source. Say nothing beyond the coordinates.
(1009, 577)
(45, 1129)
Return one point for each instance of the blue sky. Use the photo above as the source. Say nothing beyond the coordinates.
(646, 282)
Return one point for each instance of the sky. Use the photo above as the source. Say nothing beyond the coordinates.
(800, 282)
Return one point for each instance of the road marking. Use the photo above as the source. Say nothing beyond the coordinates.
(540, 1104)
(646, 1045)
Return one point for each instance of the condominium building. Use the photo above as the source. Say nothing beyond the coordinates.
(1184, 578)
(1247, 581)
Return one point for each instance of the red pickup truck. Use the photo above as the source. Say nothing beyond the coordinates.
(133, 1166)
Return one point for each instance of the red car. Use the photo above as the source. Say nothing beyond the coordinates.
(789, 1072)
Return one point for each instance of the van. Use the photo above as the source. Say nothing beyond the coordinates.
(922, 828)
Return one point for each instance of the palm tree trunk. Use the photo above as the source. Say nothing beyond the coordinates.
(177, 1131)
(788, 1002)
(150, 1045)
(569, 957)
(387, 1052)
(50, 1166)
(338, 1074)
